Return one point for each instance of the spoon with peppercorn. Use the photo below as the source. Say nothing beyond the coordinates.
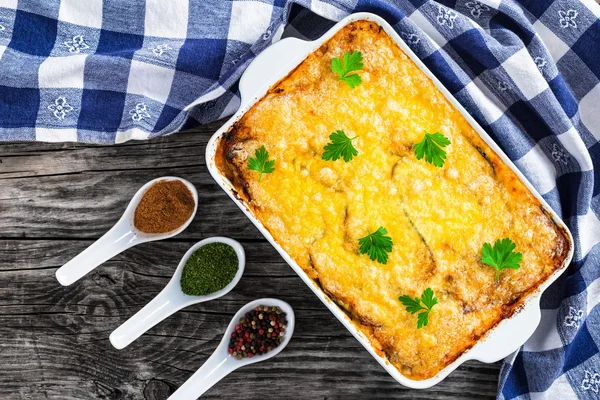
(258, 331)
(207, 260)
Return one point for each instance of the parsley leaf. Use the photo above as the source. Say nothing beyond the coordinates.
(352, 62)
(340, 146)
(501, 256)
(431, 148)
(414, 306)
(261, 163)
(377, 245)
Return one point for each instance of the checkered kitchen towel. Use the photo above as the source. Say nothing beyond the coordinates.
(528, 71)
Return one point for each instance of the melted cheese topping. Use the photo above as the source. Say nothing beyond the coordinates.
(438, 218)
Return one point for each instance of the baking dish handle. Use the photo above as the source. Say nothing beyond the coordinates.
(262, 73)
(505, 340)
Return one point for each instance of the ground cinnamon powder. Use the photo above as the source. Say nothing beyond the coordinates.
(164, 207)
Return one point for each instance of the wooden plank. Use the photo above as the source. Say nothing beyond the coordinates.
(49, 189)
(21, 160)
(86, 205)
(54, 340)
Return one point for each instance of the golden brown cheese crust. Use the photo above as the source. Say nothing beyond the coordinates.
(438, 218)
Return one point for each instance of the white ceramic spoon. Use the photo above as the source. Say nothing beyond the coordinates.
(221, 363)
(120, 237)
(172, 299)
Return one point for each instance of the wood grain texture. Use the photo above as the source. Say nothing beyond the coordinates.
(55, 199)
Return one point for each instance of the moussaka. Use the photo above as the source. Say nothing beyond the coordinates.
(390, 201)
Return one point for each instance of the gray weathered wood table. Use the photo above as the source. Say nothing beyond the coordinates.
(56, 199)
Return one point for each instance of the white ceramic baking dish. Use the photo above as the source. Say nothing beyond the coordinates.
(275, 63)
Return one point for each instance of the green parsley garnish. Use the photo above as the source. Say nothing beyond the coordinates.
(414, 306)
(377, 245)
(501, 256)
(261, 163)
(340, 146)
(352, 62)
(431, 148)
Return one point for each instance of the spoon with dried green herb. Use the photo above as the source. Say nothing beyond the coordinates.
(209, 270)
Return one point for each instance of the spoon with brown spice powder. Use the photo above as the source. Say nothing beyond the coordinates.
(161, 209)
(221, 268)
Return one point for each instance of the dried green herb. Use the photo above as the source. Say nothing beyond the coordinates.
(209, 269)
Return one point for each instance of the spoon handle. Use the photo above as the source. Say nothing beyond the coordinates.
(211, 372)
(167, 302)
(117, 239)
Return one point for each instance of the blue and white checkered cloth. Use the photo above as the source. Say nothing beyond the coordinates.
(528, 71)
